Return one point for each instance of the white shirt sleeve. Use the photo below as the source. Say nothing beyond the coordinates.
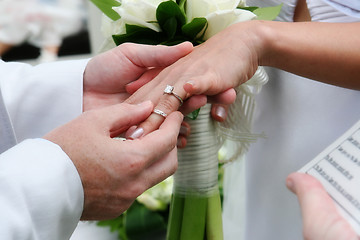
(41, 98)
(41, 192)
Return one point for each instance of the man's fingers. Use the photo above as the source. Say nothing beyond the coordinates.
(119, 117)
(145, 78)
(167, 103)
(162, 169)
(169, 130)
(155, 56)
(161, 141)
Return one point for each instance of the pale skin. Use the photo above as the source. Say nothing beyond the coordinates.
(325, 52)
(321, 219)
(115, 172)
(333, 59)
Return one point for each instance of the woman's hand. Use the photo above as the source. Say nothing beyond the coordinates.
(212, 69)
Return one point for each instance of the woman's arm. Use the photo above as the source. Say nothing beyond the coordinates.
(327, 52)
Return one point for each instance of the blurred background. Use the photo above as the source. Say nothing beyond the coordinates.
(36, 31)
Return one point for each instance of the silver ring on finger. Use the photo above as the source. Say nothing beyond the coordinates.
(159, 112)
(170, 90)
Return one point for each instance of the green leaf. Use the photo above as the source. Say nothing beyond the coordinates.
(170, 17)
(136, 34)
(193, 115)
(141, 222)
(181, 4)
(116, 225)
(106, 7)
(170, 27)
(193, 28)
(251, 9)
(268, 13)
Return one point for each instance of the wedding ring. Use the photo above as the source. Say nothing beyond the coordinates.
(159, 112)
(170, 90)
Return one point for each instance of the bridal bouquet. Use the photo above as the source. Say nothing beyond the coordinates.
(195, 211)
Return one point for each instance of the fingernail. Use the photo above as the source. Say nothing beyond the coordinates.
(146, 103)
(290, 185)
(137, 133)
(220, 113)
(184, 130)
(179, 143)
(129, 84)
(190, 83)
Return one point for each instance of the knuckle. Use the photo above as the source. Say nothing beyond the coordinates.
(136, 189)
(136, 164)
(174, 166)
(92, 115)
(168, 104)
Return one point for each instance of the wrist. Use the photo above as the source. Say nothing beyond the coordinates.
(265, 42)
(258, 37)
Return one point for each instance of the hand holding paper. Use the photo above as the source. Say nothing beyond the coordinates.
(338, 170)
(321, 219)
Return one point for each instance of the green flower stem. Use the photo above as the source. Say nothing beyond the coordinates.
(175, 217)
(214, 229)
(194, 217)
(196, 182)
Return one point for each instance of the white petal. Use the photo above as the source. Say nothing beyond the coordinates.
(220, 20)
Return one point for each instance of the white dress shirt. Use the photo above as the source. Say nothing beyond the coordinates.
(41, 195)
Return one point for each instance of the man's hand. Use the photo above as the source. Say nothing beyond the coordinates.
(114, 172)
(111, 76)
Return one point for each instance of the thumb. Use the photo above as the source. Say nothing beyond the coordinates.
(321, 219)
(156, 56)
(117, 118)
(309, 190)
(316, 205)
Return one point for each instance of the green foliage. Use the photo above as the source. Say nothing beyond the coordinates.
(137, 223)
(142, 222)
(116, 225)
(193, 28)
(174, 30)
(106, 7)
(170, 18)
(268, 13)
(251, 9)
(137, 34)
(193, 115)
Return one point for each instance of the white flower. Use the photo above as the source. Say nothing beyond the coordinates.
(219, 13)
(242, 3)
(139, 12)
(110, 27)
(159, 196)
